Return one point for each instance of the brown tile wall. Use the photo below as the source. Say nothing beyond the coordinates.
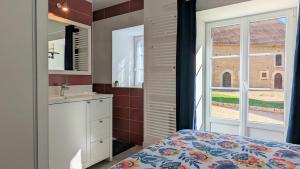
(57, 80)
(128, 112)
(123, 8)
(79, 11)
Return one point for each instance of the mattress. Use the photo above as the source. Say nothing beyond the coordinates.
(188, 149)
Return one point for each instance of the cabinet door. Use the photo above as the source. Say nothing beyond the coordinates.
(99, 129)
(98, 109)
(100, 150)
(67, 135)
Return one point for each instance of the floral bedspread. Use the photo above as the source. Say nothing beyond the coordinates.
(189, 149)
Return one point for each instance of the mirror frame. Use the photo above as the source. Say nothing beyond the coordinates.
(89, 28)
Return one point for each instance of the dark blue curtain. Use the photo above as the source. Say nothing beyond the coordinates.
(186, 64)
(293, 135)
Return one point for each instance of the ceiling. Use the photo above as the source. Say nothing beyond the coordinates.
(209, 4)
(100, 4)
(201, 4)
(54, 26)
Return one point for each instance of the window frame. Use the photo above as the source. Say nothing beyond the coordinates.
(136, 40)
(244, 22)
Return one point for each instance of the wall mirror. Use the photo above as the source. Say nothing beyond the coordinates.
(128, 57)
(69, 47)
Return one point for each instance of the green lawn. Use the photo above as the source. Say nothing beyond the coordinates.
(222, 98)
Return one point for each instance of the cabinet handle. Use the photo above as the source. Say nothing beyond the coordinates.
(100, 141)
(88, 102)
(101, 101)
(100, 121)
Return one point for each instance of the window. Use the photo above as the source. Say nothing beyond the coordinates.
(240, 59)
(278, 60)
(139, 61)
(226, 79)
(264, 75)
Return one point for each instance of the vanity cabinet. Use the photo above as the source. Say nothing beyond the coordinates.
(80, 133)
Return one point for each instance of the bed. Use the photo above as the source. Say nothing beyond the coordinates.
(188, 149)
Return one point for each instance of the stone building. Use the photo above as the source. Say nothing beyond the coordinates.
(266, 55)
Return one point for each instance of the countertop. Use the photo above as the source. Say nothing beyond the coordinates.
(77, 98)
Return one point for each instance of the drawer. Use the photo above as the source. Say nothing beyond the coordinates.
(99, 129)
(99, 109)
(100, 150)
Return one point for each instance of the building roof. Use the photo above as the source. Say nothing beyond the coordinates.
(267, 32)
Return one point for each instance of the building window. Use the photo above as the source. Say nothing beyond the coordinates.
(226, 79)
(278, 60)
(278, 81)
(264, 75)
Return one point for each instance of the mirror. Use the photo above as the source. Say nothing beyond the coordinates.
(128, 57)
(69, 49)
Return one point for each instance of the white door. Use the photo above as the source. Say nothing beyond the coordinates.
(67, 135)
(249, 75)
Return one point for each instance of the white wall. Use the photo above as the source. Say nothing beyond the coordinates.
(58, 62)
(102, 43)
(209, 4)
(18, 68)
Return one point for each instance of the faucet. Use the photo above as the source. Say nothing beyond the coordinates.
(63, 88)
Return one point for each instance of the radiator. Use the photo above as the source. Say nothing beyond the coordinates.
(160, 69)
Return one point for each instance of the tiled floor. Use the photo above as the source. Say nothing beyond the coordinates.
(117, 158)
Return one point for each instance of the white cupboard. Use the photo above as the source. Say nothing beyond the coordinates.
(80, 133)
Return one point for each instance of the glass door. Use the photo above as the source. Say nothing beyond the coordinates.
(225, 67)
(248, 80)
(267, 71)
(223, 77)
